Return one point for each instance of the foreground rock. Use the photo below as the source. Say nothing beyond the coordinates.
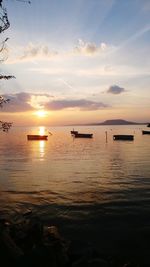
(28, 242)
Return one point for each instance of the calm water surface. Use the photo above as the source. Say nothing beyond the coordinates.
(99, 190)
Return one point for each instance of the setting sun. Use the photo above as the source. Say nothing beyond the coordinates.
(41, 113)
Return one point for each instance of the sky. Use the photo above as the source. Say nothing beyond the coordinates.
(77, 61)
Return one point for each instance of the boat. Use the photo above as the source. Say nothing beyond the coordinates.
(82, 135)
(37, 137)
(73, 132)
(145, 132)
(124, 137)
(148, 125)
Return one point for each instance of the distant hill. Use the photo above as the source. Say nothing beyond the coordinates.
(113, 122)
(118, 122)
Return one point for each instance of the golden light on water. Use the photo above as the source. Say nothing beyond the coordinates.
(42, 130)
(42, 149)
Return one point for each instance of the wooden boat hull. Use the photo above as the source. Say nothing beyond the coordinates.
(37, 137)
(145, 132)
(124, 137)
(81, 135)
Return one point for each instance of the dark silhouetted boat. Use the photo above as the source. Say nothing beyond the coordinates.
(124, 137)
(82, 135)
(37, 137)
(73, 132)
(145, 132)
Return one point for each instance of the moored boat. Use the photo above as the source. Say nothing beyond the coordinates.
(37, 137)
(73, 132)
(124, 137)
(145, 132)
(82, 135)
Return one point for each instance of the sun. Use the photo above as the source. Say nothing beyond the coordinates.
(41, 113)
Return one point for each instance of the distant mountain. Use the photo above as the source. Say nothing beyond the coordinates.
(117, 122)
(112, 122)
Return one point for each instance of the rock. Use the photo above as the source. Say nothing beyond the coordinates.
(27, 213)
(129, 265)
(54, 242)
(51, 232)
(97, 263)
(27, 233)
(10, 246)
(36, 230)
(90, 263)
(41, 256)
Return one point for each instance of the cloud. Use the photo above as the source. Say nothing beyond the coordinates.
(116, 90)
(81, 104)
(31, 52)
(18, 103)
(22, 102)
(146, 6)
(34, 52)
(38, 101)
(86, 48)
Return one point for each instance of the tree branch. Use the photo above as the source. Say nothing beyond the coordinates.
(5, 126)
(6, 77)
(3, 101)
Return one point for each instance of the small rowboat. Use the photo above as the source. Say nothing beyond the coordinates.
(82, 135)
(123, 137)
(145, 132)
(37, 137)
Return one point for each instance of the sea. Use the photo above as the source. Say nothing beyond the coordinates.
(96, 191)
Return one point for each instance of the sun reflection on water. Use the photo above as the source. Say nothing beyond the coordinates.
(42, 149)
(42, 130)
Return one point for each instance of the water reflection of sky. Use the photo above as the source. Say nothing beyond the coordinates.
(85, 171)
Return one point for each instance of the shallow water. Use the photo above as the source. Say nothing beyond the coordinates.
(95, 190)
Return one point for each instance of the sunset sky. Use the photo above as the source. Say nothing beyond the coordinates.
(77, 61)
